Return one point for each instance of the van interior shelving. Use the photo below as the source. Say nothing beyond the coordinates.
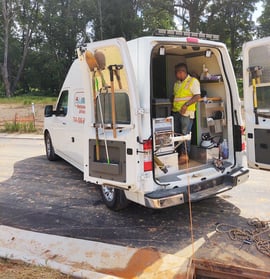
(210, 117)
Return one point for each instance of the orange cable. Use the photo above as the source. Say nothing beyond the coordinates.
(190, 206)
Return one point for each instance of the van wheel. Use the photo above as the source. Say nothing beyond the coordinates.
(51, 156)
(114, 199)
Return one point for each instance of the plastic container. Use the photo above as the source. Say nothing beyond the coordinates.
(224, 150)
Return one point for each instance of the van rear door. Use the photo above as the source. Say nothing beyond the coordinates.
(111, 123)
(256, 78)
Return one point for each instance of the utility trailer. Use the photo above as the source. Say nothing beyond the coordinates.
(113, 120)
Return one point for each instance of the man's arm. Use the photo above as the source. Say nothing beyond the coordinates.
(196, 90)
(191, 101)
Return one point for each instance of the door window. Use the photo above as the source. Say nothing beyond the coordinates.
(62, 106)
(259, 75)
(111, 86)
(263, 100)
(259, 64)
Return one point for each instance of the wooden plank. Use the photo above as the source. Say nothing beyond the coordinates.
(211, 269)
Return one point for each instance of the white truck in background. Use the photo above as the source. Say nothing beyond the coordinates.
(113, 120)
(256, 84)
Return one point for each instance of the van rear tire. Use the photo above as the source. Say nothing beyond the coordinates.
(51, 156)
(114, 199)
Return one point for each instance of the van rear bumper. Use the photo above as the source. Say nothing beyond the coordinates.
(172, 197)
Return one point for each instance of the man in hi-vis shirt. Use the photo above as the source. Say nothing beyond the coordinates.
(186, 94)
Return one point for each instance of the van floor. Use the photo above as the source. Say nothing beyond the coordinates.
(192, 166)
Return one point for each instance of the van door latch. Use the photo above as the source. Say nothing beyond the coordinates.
(140, 111)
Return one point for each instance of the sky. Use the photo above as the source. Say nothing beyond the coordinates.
(256, 14)
(258, 11)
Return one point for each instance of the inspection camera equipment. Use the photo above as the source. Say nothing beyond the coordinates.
(163, 132)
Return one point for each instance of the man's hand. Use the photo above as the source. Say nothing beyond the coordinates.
(183, 109)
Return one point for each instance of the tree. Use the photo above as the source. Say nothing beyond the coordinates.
(116, 18)
(61, 29)
(39, 38)
(27, 20)
(7, 16)
(19, 19)
(190, 13)
(232, 20)
(156, 14)
(264, 20)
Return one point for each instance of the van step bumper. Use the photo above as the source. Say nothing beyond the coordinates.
(172, 197)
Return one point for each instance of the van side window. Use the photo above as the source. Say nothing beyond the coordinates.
(62, 106)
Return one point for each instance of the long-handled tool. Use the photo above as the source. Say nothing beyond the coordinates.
(103, 127)
(255, 103)
(95, 112)
(94, 67)
(117, 74)
(96, 63)
(111, 69)
(100, 59)
(114, 69)
(256, 73)
(160, 164)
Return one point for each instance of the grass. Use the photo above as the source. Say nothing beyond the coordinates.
(19, 127)
(28, 99)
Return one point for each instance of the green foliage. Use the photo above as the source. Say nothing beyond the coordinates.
(12, 127)
(116, 18)
(157, 14)
(26, 100)
(233, 22)
(191, 13)
(264, 20)
(43, 35)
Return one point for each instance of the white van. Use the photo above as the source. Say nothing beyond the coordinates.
(256, 81)
(113, 120)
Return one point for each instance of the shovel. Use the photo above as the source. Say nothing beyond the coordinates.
(94, 66)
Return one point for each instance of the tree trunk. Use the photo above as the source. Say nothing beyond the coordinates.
(25, 52)
(4, 66)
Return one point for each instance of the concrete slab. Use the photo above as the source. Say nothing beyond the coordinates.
(22, 136)
(89, 259)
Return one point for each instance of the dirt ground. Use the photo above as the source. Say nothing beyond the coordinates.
(18, 270)
(15, 269)
(8, 113)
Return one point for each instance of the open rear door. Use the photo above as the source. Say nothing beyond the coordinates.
(111, 120)
(256, 77)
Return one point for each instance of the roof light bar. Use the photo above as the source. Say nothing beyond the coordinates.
(176, 33)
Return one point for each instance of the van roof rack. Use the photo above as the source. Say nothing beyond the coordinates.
(176, 33)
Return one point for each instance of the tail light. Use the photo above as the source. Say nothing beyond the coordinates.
(243, 138)
(147, 157)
